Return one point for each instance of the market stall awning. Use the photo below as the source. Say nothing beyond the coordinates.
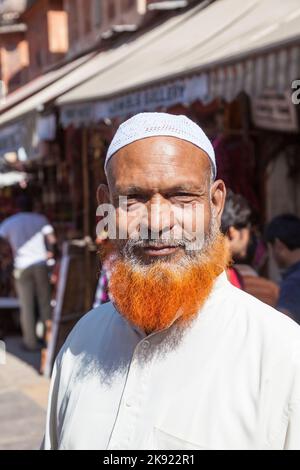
(40, 82)
(220, 50)
(19, 111)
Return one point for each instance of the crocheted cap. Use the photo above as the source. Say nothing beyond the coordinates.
(144, 125)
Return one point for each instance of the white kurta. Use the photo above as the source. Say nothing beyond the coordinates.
(231, 382)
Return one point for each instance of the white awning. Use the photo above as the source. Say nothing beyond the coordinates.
(40, 82)
(232, 45)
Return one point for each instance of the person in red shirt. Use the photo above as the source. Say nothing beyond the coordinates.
(236, 225)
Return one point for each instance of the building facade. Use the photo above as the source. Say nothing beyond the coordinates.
(14, 58)
(39, 35)
(91, 21)
(47, 35)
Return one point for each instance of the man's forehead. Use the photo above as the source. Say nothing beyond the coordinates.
(159, 144)
(155, 155)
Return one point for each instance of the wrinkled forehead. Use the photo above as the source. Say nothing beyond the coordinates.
(158, 162)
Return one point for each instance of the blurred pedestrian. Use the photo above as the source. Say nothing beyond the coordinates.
(236, 225)
(101, 295)
(32, 240)
(283, 233)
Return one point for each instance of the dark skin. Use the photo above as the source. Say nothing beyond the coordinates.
(162, 174)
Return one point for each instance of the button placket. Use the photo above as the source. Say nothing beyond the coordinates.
(132, 399)
(142, 385)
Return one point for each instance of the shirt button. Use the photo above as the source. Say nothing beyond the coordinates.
(145, 344)
(129, 401)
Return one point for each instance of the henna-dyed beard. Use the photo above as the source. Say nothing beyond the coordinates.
(152, 296)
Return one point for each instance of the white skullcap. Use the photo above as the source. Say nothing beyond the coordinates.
(145, 125)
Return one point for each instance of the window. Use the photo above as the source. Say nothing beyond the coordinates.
(111, 10)
(87, 16)
(72, 22)
(11, 47)
(57, 31)
(129, 4)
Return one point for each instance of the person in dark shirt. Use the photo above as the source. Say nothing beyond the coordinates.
(283, 232)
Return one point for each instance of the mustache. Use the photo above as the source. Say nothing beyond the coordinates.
(134, 246)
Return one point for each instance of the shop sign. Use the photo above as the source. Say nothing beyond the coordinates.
(275, 111)
(77, 115)
(182, 91)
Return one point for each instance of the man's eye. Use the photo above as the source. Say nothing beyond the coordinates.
(136, 198)
(183, 197)
(135, 204)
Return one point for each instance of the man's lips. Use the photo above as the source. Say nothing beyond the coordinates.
(161, 250)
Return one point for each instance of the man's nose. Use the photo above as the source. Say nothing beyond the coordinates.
(159, 215)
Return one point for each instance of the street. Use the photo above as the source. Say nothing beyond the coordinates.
(23, 399)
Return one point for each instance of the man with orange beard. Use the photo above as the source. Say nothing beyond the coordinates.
(180, 358)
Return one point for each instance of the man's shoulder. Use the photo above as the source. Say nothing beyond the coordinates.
(257, 314)
(6, 222)
(291, 280)
(19, 218)
(100, 317)
(269, 336)
(90, 330)
(36, 216)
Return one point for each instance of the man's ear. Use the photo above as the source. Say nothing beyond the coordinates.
(279, 245)
(218, 196)
(103, 194)
(231, 233)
